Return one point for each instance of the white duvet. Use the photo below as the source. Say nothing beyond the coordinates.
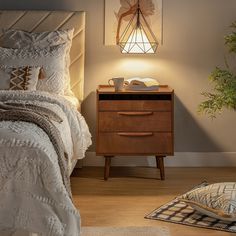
(32, 195)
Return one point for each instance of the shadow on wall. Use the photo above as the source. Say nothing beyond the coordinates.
(37, 4)
(189, 136)
(88, 110)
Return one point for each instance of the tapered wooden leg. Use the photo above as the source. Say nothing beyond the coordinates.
(160, 166)
(157, 162)
(107, 167)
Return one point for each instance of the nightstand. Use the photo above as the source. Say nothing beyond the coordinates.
(135, 123)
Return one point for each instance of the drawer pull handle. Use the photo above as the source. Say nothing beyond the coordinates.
(136, 134)
(135, 113)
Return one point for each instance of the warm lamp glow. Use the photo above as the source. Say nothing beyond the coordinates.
(137, 43)
(129, 65)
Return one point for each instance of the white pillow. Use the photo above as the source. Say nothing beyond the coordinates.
(22, 39)
(19, 78)
(215, 200)
(51, 60)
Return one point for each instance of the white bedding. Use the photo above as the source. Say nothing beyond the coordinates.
(32, 194)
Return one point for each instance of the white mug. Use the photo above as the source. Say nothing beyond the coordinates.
(118, 83)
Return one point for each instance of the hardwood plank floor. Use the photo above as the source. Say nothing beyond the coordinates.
(132, 192)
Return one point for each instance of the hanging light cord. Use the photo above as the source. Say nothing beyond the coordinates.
(138, 15)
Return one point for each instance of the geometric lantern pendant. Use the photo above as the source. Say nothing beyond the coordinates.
(138, 36)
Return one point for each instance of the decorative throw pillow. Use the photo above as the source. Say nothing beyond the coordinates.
(19, 78)
(26, 40)
(215, 200)
(51, 60)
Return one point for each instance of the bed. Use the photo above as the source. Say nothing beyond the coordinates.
(42, 133)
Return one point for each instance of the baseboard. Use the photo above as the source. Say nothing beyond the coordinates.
(181, 159)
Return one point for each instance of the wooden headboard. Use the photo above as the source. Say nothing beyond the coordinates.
(38, 21)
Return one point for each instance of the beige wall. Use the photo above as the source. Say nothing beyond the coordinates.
(193, 46)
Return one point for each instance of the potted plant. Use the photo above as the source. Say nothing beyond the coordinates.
(223, 94)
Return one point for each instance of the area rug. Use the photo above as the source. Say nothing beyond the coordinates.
(125, 231)
(180, 213)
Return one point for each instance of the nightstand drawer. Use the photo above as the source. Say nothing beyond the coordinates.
(135, 105)
(135, 142)
(135, 121)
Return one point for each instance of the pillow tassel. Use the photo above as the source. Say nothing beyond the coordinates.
(42, 74)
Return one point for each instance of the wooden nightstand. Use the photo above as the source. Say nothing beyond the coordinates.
(135, 123)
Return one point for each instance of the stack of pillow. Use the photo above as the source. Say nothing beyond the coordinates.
(36, 61)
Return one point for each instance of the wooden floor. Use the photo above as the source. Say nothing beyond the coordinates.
(131, 193)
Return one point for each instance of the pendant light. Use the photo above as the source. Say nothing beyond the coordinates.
(137, 37)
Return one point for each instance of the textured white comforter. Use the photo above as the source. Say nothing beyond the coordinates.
(32, 195)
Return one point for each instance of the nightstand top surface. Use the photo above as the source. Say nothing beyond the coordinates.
(110, 89)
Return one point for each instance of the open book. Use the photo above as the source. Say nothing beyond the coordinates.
(141, 84)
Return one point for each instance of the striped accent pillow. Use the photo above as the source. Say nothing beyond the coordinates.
(216, 200)
(19, 78)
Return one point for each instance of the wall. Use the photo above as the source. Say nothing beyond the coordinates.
(193, 46)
